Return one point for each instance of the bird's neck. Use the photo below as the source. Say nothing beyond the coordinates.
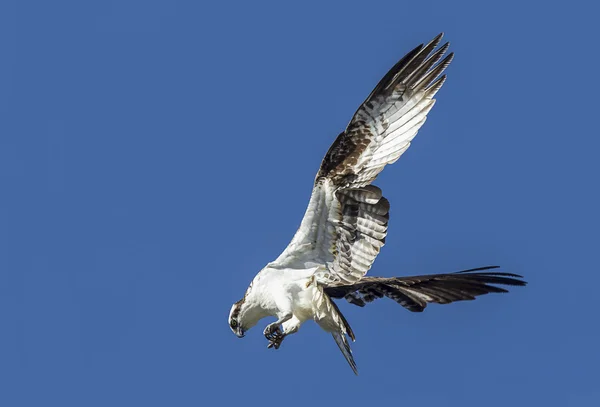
(255, 308)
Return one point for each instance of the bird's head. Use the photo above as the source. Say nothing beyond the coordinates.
(235, 319)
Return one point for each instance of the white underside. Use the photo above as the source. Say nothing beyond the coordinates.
(280, 292)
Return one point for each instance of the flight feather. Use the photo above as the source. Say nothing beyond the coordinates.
(346, 221)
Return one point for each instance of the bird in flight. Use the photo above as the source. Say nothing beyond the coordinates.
(346, 221)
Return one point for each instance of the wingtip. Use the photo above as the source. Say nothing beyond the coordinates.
(431, 45)
(437, 39)
(478, 269)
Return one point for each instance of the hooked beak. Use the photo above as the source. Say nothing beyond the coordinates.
(240, 333)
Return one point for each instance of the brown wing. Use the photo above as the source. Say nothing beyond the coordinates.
(387, 121)
(346, 220)
(414, 293)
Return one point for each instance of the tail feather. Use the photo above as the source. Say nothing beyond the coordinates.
(342, 343)
(349, 331)
(332, 320)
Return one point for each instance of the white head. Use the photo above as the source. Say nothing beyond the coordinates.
(235, 319)
(246, 313)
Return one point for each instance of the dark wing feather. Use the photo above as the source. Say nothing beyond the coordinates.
(414, 293)
(346, 220)
(385, 124)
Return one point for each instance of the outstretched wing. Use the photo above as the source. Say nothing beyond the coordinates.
(345, 223)
(385, 124)
(414, 293)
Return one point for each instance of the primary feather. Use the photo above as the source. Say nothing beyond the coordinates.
(414, 293)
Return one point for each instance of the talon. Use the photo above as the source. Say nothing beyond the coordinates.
(272, 332)
(275, 344)
(274, 335)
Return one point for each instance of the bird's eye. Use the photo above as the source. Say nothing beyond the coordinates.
(233, 323)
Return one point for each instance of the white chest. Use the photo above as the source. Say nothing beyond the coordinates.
(288, 290)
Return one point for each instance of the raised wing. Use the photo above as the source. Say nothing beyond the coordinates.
(387, 121)
(414, 293)
(345, 223)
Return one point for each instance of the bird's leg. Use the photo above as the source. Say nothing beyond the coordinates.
(274, 333)
(289, 327)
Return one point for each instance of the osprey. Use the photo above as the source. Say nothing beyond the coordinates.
(346, 221)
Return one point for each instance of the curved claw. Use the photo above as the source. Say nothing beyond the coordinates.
(274, 335)
(272, 331)
(275, 344)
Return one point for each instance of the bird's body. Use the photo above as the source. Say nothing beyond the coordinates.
(346, 221)
(282, 292)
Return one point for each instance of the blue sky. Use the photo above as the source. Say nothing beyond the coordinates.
(154, 155)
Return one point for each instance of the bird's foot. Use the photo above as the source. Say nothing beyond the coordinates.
(275, 344)
(275, 336)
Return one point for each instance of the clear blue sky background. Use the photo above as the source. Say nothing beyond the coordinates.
(154, 155)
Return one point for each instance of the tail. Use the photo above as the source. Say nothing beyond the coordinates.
(332, 320)
(342, 343)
